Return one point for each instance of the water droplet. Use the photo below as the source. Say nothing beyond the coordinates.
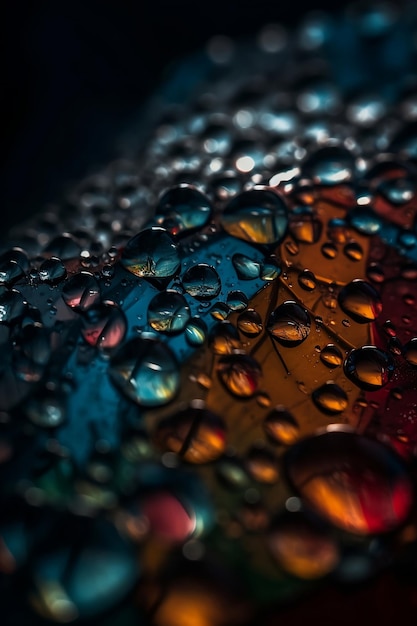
(196, 331)
(201, 282)
(246, 268)
(46, 409)
(331, 356)
(195, 434)
(237, 301)
(330, 166)
(262, 465)
(151, 254)
(168, 312)
(397, 191)
(289, 324)
(304, 226)
(353, 482)
(330, 398)
(12, 306)
(182, 208)
(224, 338)
(282, 427)
(258, 216)
(13, 265)
(270, 270)
(365, 221)
(32, 352)
(303, 548)
(307, 280)
(360, 301)
(410, 352)
(146, 371)
(353, 251)
(329, 250)
(219, 311)
(369, 367)
(81, 291)
(52, 271)
(232, 473)
(250, 323)
(240, 374)
(104, 325)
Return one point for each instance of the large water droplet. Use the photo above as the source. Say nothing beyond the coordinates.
(331, 356)
(151, 254)
(104, 325)
(302, 548)
(281, 426)
(330, 398)
(182, 208)
(81, 291)
(369, 367)
(201, 282)
(168, 312)
(146, 371)
(246, 268)
(240, 374)
(360, 301)
(353, 482)
(194, 433)
(52, 271)
(258, 216)
(289, 324)
(250, 323)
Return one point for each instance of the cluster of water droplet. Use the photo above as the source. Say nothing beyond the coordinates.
(215, 345)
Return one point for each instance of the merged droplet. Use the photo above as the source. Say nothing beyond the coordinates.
(151, 254)
(258, 216)
(369, 367)
(289, 324)
(201, 282)
(360, 301)
(168, 312)
(353, 482)
(146, 371)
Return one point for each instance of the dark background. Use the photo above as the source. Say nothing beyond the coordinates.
(75, 72)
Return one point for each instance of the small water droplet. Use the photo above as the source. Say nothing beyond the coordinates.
(237, 301)
(52, 271)
(307, 280)
(224, 338)
(410, 352)
(330, 398)
(240, 374)
(196, 331)
(250, 323)
(331, 356)
(282, 427)
(246, 268)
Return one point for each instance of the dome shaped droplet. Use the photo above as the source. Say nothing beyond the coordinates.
(52, 271)
(289, 324)
(410, 352)
(168, 312)
(195, 434)
(240, 374)
(330, 166)
(369, 367)
(307, 280)
(201, 282)
(224, 338)
(104, 325)
(183, 208)
(302, 548)
(353, 482)
(81, 291)
(258, 216)
(331, 356)
(330, 398)
(146, 371)
(196, 331)
(237, 301)
(250, 323)
(262, 465)
(281, 427)
(151, 254)
(246, 268)
(360, 301)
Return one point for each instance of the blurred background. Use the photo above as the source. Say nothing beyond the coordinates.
(75, 73)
